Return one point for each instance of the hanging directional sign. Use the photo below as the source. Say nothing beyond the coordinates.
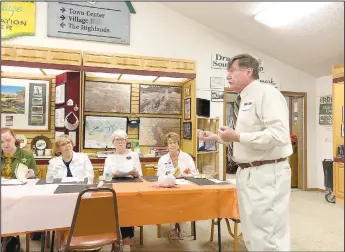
(96, 21)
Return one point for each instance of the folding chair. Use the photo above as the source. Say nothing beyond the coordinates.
(91, 231)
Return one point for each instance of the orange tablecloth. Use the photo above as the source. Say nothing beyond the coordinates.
(142, 204)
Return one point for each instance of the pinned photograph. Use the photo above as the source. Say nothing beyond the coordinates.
(217, 96)
(37, 101)
(187, 109)
(12, 99)
(36, 119)
(38, 91)
(9, 121)
(37, 110)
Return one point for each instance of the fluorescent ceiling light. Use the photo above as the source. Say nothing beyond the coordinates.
(103, 75)
(138, 77)
(31, 70)
(13, 69)
(170, 79)
(284, 13)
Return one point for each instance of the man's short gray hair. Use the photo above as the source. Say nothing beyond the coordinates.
(119, 133)
(246, 61)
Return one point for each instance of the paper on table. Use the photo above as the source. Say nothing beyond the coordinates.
(11, 182)
(120, 173)
(216, 181)
(69, 180)
(181, 182)
(21, 172)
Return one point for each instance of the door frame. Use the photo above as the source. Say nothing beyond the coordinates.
(304, 171)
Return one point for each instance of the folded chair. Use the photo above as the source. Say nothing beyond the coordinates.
(90, 230)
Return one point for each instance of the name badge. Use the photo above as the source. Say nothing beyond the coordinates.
(247, 106)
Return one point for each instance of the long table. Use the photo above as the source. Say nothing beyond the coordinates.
(31, 207)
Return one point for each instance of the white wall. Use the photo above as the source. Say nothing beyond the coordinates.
(324, 135)
(159, 31)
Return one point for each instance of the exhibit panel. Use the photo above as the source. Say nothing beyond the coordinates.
(91, 97)
(338, 132)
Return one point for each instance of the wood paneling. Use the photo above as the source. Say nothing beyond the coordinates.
(41, 55)
(123, 61)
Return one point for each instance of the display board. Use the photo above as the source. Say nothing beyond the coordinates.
(25, 104)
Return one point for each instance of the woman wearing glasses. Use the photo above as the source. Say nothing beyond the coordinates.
(69, 163)
(124, 163)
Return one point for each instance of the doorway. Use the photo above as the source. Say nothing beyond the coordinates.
(298, 130)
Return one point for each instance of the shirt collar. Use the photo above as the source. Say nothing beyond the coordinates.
(248, 89)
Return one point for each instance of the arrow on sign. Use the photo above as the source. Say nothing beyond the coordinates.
(62, 25)
(63, 9)
(62, 17)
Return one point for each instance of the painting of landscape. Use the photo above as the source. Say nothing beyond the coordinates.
(153, 130)
(12, 99)
(159, 99)
(107, 97)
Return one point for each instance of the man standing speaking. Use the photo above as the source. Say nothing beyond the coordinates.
(261, 147)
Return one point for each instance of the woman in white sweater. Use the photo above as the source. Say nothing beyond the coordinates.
(124, 161)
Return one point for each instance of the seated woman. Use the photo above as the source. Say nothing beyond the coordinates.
(178, 163)
(123, 160)
(12, 156)
(69, 163)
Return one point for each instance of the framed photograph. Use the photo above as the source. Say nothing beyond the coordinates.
(187, 109)
(187, 91)
(153, 130)
(160, 99)
(27, 102)
(107, 97)
(217, 96)
(217, 83)
(98, 130)
(37, 110)
(187, 130)
(60, 94)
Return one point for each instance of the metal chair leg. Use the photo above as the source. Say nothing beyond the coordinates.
(141, 235)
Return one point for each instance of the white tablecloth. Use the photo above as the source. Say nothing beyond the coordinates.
(33, 207)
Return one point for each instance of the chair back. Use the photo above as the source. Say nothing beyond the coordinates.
(88, 222)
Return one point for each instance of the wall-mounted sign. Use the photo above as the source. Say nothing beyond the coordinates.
(325, 110)
(17, 19)
(219, 61)
(96, 21)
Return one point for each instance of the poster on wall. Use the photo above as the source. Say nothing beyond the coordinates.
(98, 130)
(160, 99)
(18, 19)
(25, 104)
(217, 82)
(325, 110)
(107, 97)
(217, 96)
(153, 130)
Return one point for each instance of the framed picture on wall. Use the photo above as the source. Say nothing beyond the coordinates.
(152, 130)
(160, 99)
(187, 109)
(98, 130)
(60, 94)
(217, 96)
(217, 83)
(187, 130)
(107, 97)
(25, 104)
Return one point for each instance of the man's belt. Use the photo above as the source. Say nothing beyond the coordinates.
(259, 163)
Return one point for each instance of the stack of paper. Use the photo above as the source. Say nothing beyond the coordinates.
(122, 174)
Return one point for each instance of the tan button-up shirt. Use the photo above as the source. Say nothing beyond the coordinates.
(263, 124)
